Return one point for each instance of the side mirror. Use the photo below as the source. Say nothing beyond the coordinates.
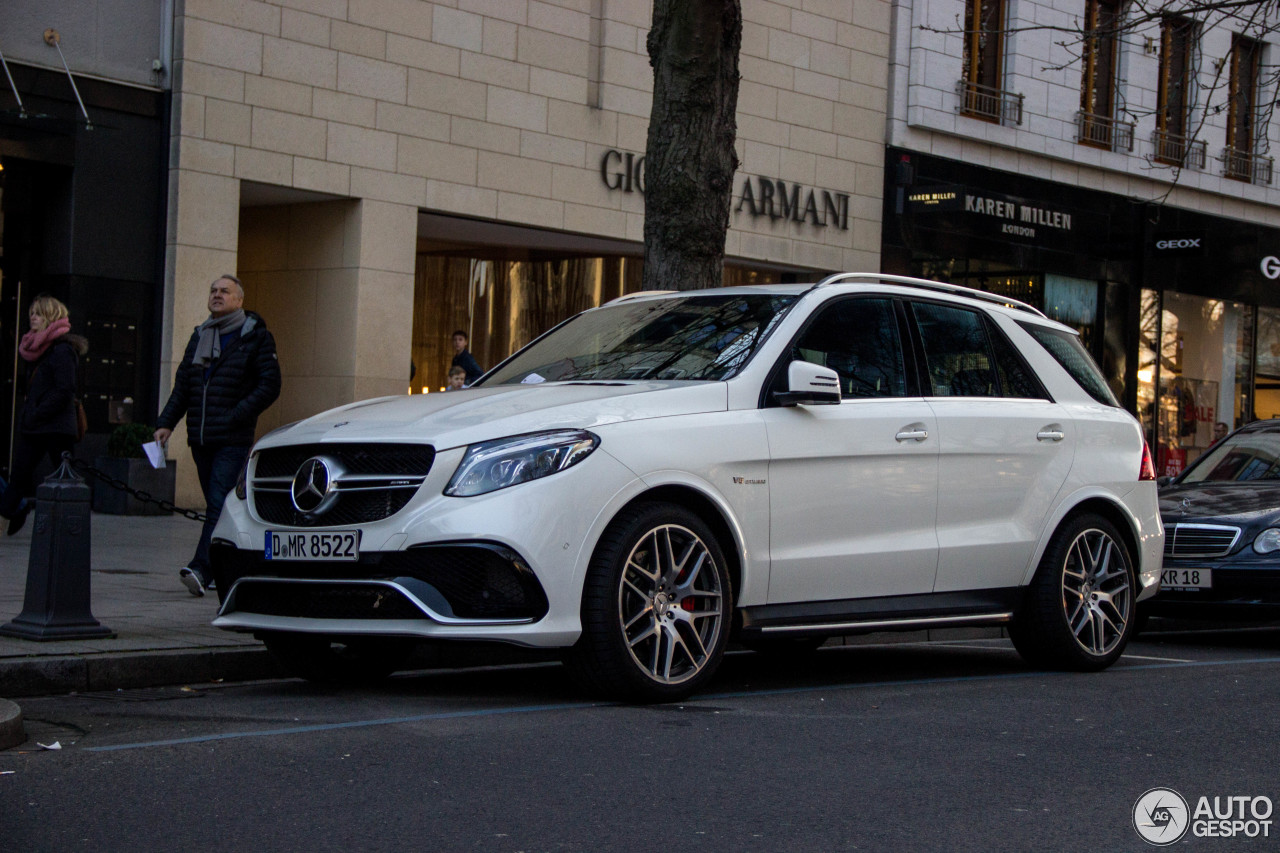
(1161, 482)
(811, 385)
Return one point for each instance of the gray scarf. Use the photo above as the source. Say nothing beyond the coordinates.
(209, 345)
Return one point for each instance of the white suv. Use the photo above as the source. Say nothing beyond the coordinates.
(650, 478)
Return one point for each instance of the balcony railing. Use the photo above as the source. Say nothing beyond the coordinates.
(1104, 132)
(989, 103)
(1179, 150)
(1244, 166)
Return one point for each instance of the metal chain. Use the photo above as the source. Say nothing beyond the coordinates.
(83, 467)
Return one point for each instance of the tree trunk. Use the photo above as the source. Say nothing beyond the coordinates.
(689, 159)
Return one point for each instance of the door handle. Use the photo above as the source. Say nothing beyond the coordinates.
(912, 435)
(1050, 434)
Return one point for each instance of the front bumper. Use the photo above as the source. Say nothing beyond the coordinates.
(505, 566)
(461, 583)
(1239, 592)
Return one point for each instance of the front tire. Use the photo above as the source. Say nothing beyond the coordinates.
(656, 606)
(1079, 611)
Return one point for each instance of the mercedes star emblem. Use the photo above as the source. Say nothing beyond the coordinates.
(313, 486)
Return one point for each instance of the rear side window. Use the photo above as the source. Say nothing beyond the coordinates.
(1067, 350)
(964, 358)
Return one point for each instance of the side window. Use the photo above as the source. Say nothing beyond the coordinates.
(958, 353)
(1016, 378)
(858, 339)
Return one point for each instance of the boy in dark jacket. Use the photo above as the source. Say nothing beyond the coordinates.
(228, 376)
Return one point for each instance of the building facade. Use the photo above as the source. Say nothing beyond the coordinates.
(83, 151)
(1120, 179)
(381, 173)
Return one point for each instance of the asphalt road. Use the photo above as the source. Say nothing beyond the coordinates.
(954, 746)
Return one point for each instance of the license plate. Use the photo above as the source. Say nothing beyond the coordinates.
(329, 546)
(1186, 579)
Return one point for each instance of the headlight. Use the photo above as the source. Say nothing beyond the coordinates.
(493, 465)
(1267, 541)
(241, 490)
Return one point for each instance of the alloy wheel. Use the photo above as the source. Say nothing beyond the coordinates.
(670, 604)
(1096, 594)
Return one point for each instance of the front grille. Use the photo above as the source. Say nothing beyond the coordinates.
(398, 460)
(352, 508)
(1199, 540)
(357, 502)
(477, 580)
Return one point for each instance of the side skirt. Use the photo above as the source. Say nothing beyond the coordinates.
(888, 613)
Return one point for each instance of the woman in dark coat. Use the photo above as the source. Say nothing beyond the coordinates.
(47, 423)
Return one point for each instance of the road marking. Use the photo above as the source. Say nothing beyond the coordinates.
(353, 724)
(703, 697)
(1127, 656)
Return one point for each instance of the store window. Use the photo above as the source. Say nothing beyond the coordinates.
(504, 298)
(1194, 371)
(1266, 400)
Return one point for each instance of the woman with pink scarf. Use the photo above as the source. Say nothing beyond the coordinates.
(46, 425)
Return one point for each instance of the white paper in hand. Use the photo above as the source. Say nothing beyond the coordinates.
(155, 453)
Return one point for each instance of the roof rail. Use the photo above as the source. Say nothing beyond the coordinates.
(940, 286)
(639, 294)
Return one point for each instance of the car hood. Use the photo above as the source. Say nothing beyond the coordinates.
(1240, 502)
(457, 418)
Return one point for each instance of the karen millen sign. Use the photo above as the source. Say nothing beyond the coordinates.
(1014, 217)
(758, 196)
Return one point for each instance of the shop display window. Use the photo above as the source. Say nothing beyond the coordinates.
(1194, 366)
(1266, 400)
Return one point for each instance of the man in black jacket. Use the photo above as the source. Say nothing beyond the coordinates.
(228, 376)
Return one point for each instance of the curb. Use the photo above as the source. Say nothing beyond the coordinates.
(51, 675)
(11, 731)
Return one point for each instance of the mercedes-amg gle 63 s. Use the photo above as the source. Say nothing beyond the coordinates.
(657, 476)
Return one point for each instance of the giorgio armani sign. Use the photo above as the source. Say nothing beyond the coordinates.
(757, 195)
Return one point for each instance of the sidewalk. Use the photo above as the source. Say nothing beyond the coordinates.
(162, 632)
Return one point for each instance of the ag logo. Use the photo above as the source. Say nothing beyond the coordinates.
(1161, 816)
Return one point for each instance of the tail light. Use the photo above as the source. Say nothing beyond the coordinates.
(1148, 471)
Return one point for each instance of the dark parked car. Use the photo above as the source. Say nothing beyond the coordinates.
(1222, 531)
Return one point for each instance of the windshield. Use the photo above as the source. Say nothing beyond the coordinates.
(1251, 455)
(705, 337)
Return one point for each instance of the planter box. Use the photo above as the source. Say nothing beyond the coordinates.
(138, 473)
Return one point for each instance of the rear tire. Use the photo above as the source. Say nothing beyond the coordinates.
(1078, 613)
(656, 607)
(338, 660)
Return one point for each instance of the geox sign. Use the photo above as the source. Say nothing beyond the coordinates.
(1181, 243)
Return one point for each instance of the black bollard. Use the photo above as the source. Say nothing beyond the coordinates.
(56, 606)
